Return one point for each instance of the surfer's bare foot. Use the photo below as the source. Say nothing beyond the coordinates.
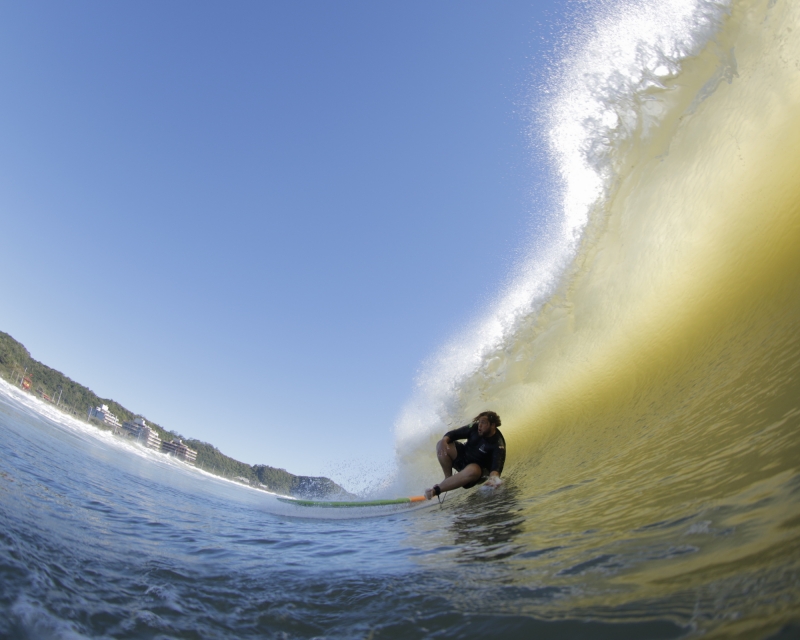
(428, 494)
(433, 491)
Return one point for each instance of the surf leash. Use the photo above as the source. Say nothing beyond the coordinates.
(437, 490)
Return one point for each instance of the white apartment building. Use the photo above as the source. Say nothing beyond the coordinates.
(139, 430)
(103, 415)
(180, 450)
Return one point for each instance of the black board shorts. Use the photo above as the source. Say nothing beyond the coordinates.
(461, 462)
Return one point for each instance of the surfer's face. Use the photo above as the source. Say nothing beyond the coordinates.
(484, 428)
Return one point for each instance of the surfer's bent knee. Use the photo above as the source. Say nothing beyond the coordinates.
(474, 470)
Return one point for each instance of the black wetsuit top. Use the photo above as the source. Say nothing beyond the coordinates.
(489, 453)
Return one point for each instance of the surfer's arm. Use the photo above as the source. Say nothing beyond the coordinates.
(457, 434)
(498, 458)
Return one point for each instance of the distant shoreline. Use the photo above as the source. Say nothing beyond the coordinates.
(19, 369)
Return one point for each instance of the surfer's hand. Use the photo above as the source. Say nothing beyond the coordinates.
(494, 481)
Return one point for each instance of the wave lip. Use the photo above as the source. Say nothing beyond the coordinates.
(603, 94)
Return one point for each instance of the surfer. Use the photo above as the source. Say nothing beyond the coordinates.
(480, 460)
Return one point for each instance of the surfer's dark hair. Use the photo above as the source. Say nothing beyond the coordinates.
(493, 418)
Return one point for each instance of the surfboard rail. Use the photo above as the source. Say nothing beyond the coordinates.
(332, 504)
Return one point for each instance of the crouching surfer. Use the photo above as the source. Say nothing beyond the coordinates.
(480, 460)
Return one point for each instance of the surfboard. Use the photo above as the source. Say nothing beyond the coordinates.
(354, 503)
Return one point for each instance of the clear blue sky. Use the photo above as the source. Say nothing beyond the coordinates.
(251, 222)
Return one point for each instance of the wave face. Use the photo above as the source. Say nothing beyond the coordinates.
(645, 359)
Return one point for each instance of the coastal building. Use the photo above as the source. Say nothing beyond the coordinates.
(140, 431)
(104, 416)
(179, 450)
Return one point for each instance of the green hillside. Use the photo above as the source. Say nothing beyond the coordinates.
(75, 399)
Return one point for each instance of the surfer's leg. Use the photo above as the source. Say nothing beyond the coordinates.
(471, 473)
(446, 453)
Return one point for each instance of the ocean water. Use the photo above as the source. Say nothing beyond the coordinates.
(644, 359)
